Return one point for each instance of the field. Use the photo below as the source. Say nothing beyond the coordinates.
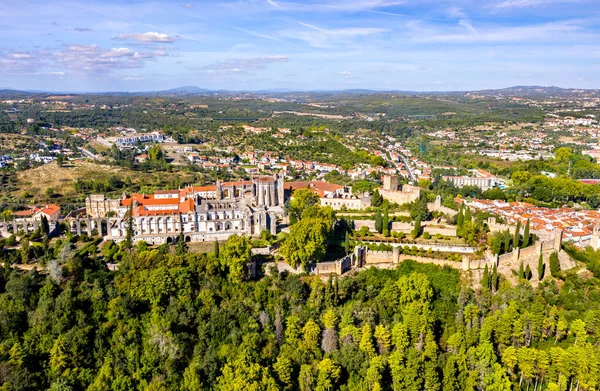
(61, 179)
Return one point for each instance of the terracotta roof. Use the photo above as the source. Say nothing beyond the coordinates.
(313, 185)
(24, 213)
(51, 209)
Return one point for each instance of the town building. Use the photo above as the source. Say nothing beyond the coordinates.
(479, 178)
(400, 194)
(50, 211)
(200, 213)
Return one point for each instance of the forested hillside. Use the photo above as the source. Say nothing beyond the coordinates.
(192, 322)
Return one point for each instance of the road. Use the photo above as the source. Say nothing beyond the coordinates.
(88, 153)
(410, 173)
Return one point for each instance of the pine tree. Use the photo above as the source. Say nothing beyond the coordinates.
(385, 224)
(417, 229)
(507, 247)
(517, 237)
(366, 341)
(336, 291)
(485, 280)
(521, 271)
(495, 278)
(347, 243)
(45, 226)
(528, 273)
(216, 249)
(378, 222)
(541, 267)
(554, 264)
(450, 382)
(181, 248)
(468, 217)
(460, 219)
(129, 237)
(526, 235)
(376, 199)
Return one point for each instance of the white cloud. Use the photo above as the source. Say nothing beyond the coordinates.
(91, 58)
(260, 35)
(339, 5)
(326, 38)
(565, 30)
(148, 37)
(531, 3)
(244, 64)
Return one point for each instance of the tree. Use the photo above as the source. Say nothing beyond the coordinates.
(517, 237)
(129, 236)
(383, 338)
(283, 368)
(44, 225)
(329, 341)
(366, 341)
(554, 264)
(485, 280)
(25, 251)
(526, 235)
(416, 232)
(243, 375)
(181, 248)
(310, 336)
(378, 222)
(507, 246)
(237, 253)
(385, 223)
(450, 378)
(541, 267)
(460, 220)
(216, 251)
(347, 242)
(528, 273)
(521, 270)
(376, 199)
(329, 373)
(155, 153)
(306, 242)
(301, 200)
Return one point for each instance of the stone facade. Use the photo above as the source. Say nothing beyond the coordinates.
(205, 213)
(391, 191)
(97, 205)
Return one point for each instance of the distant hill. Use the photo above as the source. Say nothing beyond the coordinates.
(516, 91)
(537, 91)
(185, 90)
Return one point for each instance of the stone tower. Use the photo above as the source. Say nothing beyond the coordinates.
(390, 182)
(595, 242)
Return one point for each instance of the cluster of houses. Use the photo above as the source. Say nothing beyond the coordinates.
(578, 226)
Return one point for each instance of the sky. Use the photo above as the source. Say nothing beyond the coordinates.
(416, 45)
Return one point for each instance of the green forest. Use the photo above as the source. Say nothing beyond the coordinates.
(183, 321)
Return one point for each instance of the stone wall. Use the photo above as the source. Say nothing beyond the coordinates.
(441, 247)
(438, 207)
(407, 228)
(394, 257)
(336, 267)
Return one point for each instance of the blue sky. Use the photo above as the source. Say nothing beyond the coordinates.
(110, 45)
